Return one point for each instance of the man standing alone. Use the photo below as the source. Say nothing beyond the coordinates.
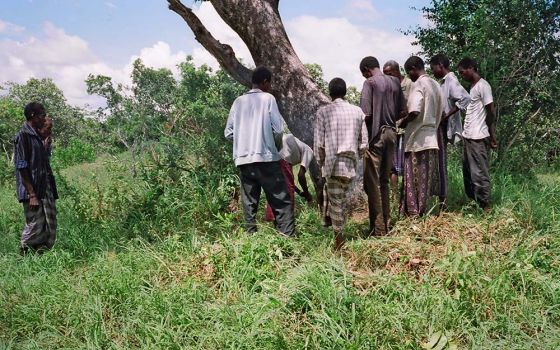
(35, 184)
(255, 127)
(340, 139)
(382, 100)
(479, 134)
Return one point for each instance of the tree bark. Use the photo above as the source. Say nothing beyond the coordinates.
(258, 24)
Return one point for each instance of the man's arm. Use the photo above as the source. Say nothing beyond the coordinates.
(491, 123)
(459, 96)
(319, 139)
(302, 180)
(277, 123)
(21, 159)
(415, 102)
(366, 102)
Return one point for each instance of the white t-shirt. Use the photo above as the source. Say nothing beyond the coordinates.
(425, 97)
(475, 119)
(295, 151)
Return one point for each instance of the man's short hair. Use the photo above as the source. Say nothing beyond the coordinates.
(337, 87)
(413, 62)
(368, 62)
(393, 65)
(260, 75)
(440, 59)
(33, 109)
(467, 62)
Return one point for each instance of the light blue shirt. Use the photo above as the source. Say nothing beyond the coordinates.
(254, 123)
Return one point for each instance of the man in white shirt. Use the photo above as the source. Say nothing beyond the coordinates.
(456, 99)
(425, 108)
(255, 126)
(479, 134)
(341, 138)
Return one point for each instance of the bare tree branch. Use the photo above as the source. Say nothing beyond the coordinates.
(222, 52)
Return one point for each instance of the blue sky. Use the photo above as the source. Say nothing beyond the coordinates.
(104, 36)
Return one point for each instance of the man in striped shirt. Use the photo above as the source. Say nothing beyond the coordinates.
(340, 139)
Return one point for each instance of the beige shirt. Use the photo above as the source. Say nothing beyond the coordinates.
(425, 97)
(295, 152)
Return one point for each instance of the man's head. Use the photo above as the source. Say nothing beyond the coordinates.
(337, 88)
(439, 65)
(46, 130)
(368, 65)
(467, 69)
(414, 67)
(392, 68)
(35, 114)
(261, 78)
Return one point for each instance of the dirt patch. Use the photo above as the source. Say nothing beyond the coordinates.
(415, 245)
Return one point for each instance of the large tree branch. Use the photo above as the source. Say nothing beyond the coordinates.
(222, 52)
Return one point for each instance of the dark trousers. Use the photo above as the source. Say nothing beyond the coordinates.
(269, 177)
(378, 162)
(476, 175)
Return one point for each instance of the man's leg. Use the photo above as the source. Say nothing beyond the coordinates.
(480, 174)
(250, 193)
(372, 164)
(389, 137)
(467, 181)
(276, 190)
(442, 165)
(34, 234)
(50, 216)
(337, 188)
(289, 176)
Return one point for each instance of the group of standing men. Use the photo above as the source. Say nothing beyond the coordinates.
(402, 128)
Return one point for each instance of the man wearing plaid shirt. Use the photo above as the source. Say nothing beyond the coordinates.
(340, 139)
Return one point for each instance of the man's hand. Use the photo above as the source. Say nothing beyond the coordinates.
(493, 143)
(33, 202)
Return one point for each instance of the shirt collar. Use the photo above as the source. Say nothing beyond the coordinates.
(254, 91)
(339, 100)
(448, 75)
(28, 129)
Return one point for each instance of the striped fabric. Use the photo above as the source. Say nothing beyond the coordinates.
(335, 192)
(40, 223)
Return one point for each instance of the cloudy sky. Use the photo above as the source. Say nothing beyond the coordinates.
(68, 39)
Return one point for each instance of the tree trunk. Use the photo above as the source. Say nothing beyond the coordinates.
(258, 24)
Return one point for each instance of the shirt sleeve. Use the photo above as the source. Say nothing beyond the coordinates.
(415, 99)
(228, 131)
(486, 94)
(276, 119)
(319, 139)
(21, 158)
(459, 95)
(366, 99)
(306, 154)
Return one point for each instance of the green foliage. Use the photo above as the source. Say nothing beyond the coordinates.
(76, 152)
(516, 44)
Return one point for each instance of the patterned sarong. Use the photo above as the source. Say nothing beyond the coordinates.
(40, 223)
(335, 192)
(421, 181)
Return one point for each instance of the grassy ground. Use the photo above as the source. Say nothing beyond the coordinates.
(463, 279)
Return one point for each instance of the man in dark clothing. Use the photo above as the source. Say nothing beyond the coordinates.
(382, 101)
(35, 184)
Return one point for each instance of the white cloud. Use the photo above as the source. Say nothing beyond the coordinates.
(68, 60)
(110, 4)
(361, 9)
(7, 27)
(338, 45)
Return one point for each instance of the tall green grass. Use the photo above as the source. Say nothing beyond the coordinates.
(161, 263)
